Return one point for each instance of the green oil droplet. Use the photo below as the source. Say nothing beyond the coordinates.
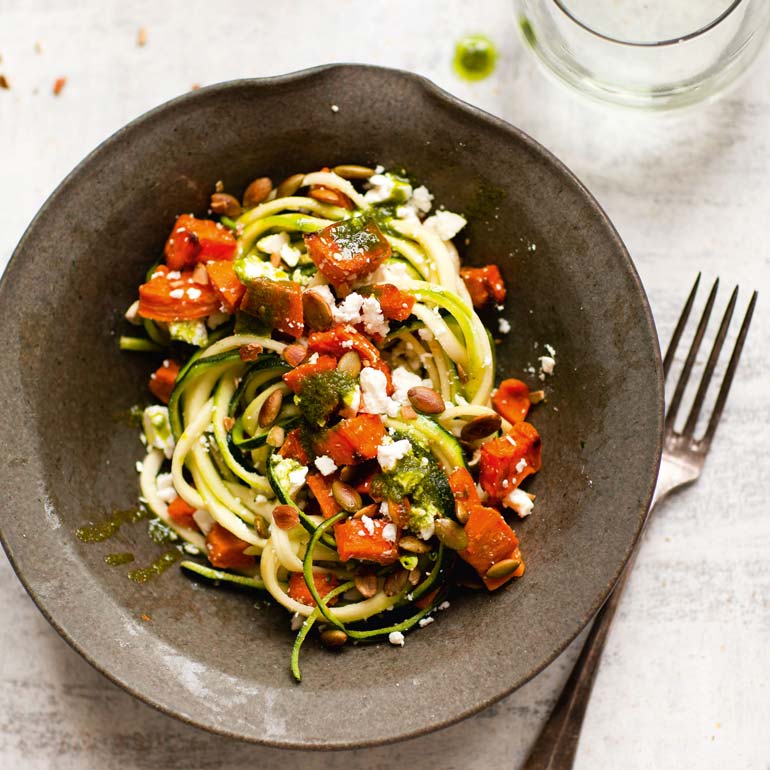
(116, 559)
(157, 568)
(475, 57)
(103, 530)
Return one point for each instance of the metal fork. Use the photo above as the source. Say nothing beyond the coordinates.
(681, 464)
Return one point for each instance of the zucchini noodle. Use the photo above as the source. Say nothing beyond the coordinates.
(326, 381)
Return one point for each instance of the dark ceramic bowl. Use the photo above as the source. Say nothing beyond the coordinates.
(219, 659)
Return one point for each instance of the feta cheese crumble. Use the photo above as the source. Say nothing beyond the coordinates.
(296, 480)
(422, 199)
(389, 454)
(381, 188)
(349, 310)
(374, 393)
(519, 501)
(403, 381)
(389, 533)
(503, 325)
(356, 309)
(396, 638)
(521, 465)
(446, 224)
(326, 465)
(272, 244)
(373, 318)
(425, 621)
(547, 364)
(368, 524)
(165, 485)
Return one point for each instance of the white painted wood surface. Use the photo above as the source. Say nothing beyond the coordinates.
(686, 676)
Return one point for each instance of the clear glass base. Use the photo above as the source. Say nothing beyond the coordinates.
(647, 75)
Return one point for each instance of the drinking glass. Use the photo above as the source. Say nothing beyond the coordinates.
(655, 54)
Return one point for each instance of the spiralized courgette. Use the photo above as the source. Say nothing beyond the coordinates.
(222, 458)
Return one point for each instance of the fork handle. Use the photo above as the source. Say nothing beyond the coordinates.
(556, 746)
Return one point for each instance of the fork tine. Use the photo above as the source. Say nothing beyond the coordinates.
(690, 360)
(729, 373)
(708, 372)
(680, 324)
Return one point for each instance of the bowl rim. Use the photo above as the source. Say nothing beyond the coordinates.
(474, 113)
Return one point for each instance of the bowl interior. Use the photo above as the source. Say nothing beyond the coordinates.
(219, 658)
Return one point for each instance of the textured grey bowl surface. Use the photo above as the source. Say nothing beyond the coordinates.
(219, 659)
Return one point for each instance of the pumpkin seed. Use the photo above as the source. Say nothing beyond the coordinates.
(333, 637)
(270, 409)
(349, 473)
(200, 274)
(451, 534)
(353, 172)
(536, 396)
(502, 569)
(414, 577)
(289, 186)
(350, 363)
(347, 497)
(426, 400)
(325, 195)
(367, 585)
(261, 525)
(276, 436)
(480, 427)
(223, 203)
(256, 192)
(294, 354)
(462, 374)
(228, 423)
(316, 311)
(395, 582)
(285, 516)
(461, 512)
(413, 545)
(369, 510)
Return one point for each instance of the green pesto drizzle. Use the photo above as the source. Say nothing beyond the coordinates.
(486, 202)
(131, 418)
(116, 559)
(104, 530)
(157, 568)
(321, 393)
(475, 57)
